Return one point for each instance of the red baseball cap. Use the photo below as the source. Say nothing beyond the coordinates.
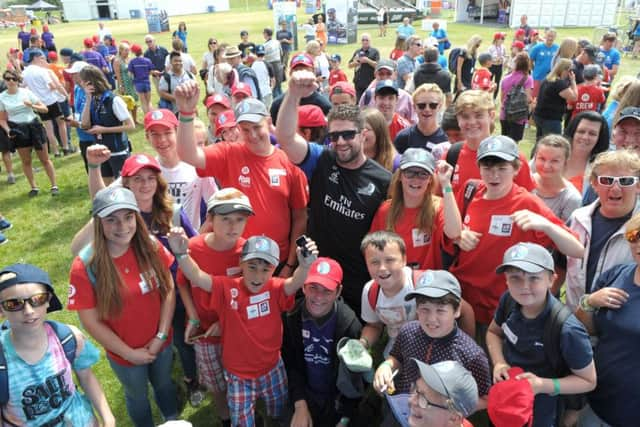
(21, 25)
(95, 38)
(217, 98)
(520, 32)
(510, 402)
(326, 272)
(162, 117)
(87, 42)
(34, 31)
(518, 44)
(52, 55)
(301, 59)
(311, 116)
(241, 87)
(224, 121)
(342, 87)
(499, 35)
(139, 161)
(14, 50)
(136, 48)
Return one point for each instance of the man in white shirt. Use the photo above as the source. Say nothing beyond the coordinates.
(273, 56)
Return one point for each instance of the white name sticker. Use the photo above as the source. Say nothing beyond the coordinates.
(501, 225)
(255, 299)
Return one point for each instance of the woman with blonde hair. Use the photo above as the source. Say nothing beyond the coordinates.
(466, 62)
(556, 89)
(124, 79)
(413, 212)
(377, 142)
(320, 64)
(568, 49)
(615, 97)
(122, 274)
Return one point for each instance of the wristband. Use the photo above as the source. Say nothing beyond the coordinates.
(186, 119)
(344, 421)
(448, 189)
(181, 256)
(161, 336)
(556, 387)
(194, 322)
(388, 363)
(92, 166)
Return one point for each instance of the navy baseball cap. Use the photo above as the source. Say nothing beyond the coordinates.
(20, 274)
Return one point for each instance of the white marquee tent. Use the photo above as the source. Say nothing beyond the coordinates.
(123, 9)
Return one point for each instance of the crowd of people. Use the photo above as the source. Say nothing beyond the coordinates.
(349, 253)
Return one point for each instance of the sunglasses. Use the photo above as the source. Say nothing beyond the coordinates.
(432, 105)
(17, 304)
(623, 181)
(632, 236)
(425, 403)
(417, 44)
(10, 79)
(347, 135)
(213, 42)
(413, 173)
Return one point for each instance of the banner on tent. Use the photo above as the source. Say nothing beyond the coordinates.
(342, 21)
(285, 11)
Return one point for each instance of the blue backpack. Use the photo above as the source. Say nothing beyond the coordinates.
(67, 340)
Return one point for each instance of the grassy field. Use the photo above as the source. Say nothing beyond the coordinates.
(44, 226)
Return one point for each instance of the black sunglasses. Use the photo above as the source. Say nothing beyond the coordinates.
(17, 304)
(432, 105)
(347, 135)
(10, 79)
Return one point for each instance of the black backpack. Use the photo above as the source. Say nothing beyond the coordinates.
(551, 337)
(516, 103)
(453, 59)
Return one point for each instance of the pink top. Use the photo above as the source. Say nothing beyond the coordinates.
(507, 83)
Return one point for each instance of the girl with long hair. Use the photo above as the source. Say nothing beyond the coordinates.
(465, 64)
(123, 78)
(556, 89)
(377, 142)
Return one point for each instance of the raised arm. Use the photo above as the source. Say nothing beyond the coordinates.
(566, 242)
(186, 96)
(295, 282)
(452, 220)
(180, 248)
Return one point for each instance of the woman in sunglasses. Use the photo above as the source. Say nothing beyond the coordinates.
(41, 390)
(414, 213)
(123, 291)
(19, 121)
(610, 312)
(600, 225)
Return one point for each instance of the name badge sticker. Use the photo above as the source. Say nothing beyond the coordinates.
(501, 225)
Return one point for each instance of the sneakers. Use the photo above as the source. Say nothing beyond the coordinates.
(34, 192)
(11, 179)
(4, 224)
(55, 191)
(194, 394)
(3, 239)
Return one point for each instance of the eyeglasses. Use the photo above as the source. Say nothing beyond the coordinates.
(623, 181)
(17, 304)
(347, 135)
(415, 173)
(213, 42)
(632, 236)
(425, 403)
(417, 44)
(432, 105)
(10, 79)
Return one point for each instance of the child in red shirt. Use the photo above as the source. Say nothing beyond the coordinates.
(250, 309)
(481, 79)
(590, 94)
(336, 75)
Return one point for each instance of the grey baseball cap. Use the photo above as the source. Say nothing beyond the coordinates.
(418, 158)
(251, 110)
(260, 247)
(228, 200)
(628, 113)
(386, 63)
(591, 71)
(529, 257)
(435, 284)
(453, 381)
(111, 199)
(499, 146)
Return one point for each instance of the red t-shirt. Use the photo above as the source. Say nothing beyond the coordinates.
(423, 248)
(216, 263)
(476, 269)
(589, 97)
(396, 54)
(467, 168)
(336, 76)
(481, 79)
(139, 319)
(274, 185)
(397, 124)
(251, 324)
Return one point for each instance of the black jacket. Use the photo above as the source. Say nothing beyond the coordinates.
(347, 325)
(433, 73)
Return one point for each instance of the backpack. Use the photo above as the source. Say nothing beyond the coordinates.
(69, 346)
(551, 337)
(453, 59)
(86, 253)
(516, 103)
(163, 103)
(470, 189)
(374, 291)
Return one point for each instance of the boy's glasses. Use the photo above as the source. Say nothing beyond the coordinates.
(623, 181)
(632, 236)
(432, 105)
(423, 402)
(347, 135)
(17, 304)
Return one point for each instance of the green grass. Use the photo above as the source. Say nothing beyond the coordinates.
(44, 226)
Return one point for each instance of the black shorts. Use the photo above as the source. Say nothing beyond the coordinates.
(6, 145)
(53, 113)
(27, 135)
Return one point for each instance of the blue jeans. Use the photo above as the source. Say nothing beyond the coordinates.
(545, 127)
(135, 381)
(185, 351)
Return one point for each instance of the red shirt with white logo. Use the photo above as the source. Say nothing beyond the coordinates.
(139, 295)
(251, 324)
(589, 98)
(481, 79)
(274, 185)
(397, 124)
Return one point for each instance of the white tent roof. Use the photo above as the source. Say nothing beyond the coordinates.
(41, 4)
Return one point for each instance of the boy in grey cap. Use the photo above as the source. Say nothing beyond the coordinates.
(517, 334)
(250, 309)
(443, 396)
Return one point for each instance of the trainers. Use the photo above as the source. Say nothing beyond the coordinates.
(55, 191)
(195, 395)
(3, 239)
(34, 192)
(11, 179)
(4, 224)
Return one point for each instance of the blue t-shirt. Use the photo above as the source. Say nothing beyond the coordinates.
(79, 98)
(616, 398)
(405, 31)
(611, 57)
(308, 165)
(541, 56)
(319, 351)
(439, 34)
(523, 346)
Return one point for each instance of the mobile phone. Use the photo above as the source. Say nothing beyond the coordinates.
(302, 244)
